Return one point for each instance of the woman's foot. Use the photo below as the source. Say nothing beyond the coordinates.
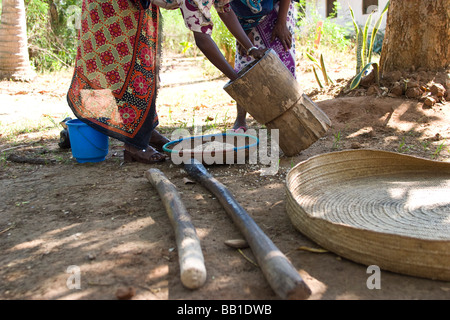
(241, 129)
(149, 155)
(240, 124)
(157, 141)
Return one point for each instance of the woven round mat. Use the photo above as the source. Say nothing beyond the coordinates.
(376, 208)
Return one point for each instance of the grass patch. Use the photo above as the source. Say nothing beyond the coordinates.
(26, 129)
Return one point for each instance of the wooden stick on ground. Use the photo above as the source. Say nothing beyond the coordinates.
(19, 159)
(278, 270)
(192, 266)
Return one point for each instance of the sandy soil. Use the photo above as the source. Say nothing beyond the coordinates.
(106, 221)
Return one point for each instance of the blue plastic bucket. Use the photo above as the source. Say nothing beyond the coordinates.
(88, 144)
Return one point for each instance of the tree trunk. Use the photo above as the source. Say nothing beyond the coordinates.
(14, 59)
(417, 36)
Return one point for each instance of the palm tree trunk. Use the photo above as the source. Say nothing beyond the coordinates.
(14, 58)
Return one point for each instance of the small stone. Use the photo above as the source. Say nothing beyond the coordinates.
(237, 243)
(397, 90)
(413, 84)
(367, 80)
(438, 90)
(125, 293)
(429, 102)
(437, 137)
(373, 91)
(393, 76)
(413, 93)
(90, 256)
(187, 181)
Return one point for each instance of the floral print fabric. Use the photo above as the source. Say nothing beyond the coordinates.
(262, 34)
(115, 77)
(196, 13)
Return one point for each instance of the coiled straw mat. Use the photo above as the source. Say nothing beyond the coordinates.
(375, 208)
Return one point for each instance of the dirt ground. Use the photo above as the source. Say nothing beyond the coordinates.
(107, 222)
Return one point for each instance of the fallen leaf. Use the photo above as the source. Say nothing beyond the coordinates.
(315, 250)
(200, 106)
(247, 258)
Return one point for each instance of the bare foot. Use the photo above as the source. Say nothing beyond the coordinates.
(240, 123)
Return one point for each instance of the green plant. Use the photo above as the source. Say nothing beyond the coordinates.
(182, 124)
(402, 147)
(337, 140)
(170, 114)
(52, 120)
(175, 32)
(210, 125)
(225, 117)
(438, 150)
(357, 79)
(186, 46)
(11, 132)
(223, 38)
(178, 38)
(426, 145)
(333, 36)
(52, 30)
(321, 66)
(378, 43)
(364, 52)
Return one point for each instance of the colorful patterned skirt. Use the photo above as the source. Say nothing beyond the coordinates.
(115, 79)
(262, 35)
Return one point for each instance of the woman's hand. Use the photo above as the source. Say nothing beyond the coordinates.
(282, 32)
(258, 53)
(245, 40)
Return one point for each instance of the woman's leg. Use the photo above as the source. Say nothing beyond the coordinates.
(157, 140)
(241, 119)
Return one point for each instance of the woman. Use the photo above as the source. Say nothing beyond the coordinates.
(269, 24)
(115, 81)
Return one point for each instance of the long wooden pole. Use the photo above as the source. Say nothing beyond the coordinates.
(192, 265)
(278, 270)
